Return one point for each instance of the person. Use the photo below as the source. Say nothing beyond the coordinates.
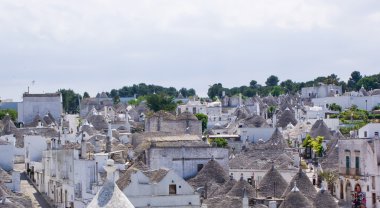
(358, 198)
(314, 180)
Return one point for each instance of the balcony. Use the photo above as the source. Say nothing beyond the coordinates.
(350, 171)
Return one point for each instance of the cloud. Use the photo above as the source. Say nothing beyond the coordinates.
(95, 45)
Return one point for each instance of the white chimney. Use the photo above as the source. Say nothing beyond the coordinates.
(274, 120)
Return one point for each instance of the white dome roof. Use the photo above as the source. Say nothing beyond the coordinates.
(110, 196)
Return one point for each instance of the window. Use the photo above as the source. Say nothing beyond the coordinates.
(365, 134)
(172, 189)
(194, 110)
(373, 182)
(357, 165)
(347, 165)
(373, 198)
(200, 166)
(376, 133)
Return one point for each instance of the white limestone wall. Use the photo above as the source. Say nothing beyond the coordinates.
(348, 101)
(7, 153)
(32, 106)
(142, 192)
(254, 134)
(370, 129)
(185, 161)
(34, 146)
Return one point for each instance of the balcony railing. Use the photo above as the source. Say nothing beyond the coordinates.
(350, 171)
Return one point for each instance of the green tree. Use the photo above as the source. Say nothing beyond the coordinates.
(253, 84)
(332, 79)
(86, 95)
(157, 102)
(271, 111)
(352, 83)
(137, 101)
(369, 83)
(191, 92)
(314, 143)
(220, 142)
(10, 112)
(272, 81)
(70, 100)
(204, 118)
(289, 86)
(335, 107)
(216, 90)
(116, 99)
(276, 91)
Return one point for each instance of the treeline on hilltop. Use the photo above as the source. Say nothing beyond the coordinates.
(274, 87)
(70, 98)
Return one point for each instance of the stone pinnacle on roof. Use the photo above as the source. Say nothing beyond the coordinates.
(110, 196)
(324, 199)
(304, 185)
(295, 199)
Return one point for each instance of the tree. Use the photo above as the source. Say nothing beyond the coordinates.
(220, 142)
(272, 81)
(330, 177)
(191, 92)
(314, 143)
(70, 100)
(253, 84)
(277, 91)
(288, 86)
(216, 90)
(204, 118)
(116, 99)
(369, 83)
(271, 111)
(10, 112)
(157, 102)
(353, 80)
(86, 95)
(335, 107)
(332, 79)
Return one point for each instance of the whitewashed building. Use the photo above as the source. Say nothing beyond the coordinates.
(39, 104)
(158, 188)
(321, 91)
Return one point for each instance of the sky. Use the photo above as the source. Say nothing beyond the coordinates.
(99, 45)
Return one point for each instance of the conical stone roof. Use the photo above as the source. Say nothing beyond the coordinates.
(320, 129)
(325, 200)
(304, 184)
(285, 118)
(295, 199)
(272, 184)
(276, 141)
(212, 172)
(238, 189)
(8, 125)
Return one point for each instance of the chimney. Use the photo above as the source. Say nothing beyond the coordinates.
(245, 199)
(83, 149)
(258, 108)
(110, 169)
(109, 132)
(127, 124)
(108, 145)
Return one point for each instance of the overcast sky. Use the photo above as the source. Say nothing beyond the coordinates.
(98, 45)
